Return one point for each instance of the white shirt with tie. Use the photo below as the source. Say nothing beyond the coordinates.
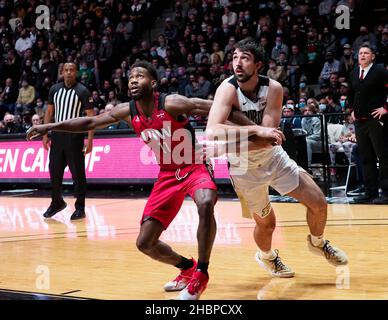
(366, 70)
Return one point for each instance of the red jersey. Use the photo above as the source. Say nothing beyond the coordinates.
(171, 140)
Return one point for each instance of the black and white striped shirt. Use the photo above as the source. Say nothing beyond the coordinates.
(71, 102)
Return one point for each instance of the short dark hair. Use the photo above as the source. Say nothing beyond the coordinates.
(148, 66)
(367, 45)
(250, 46)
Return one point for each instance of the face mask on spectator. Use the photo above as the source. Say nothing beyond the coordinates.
(322, 107)
(105, 41)
(39, 104)
(154, 53)
(343, 103)
(302, 85)
(10, 124)
(106, 21)
(247, 17)
(302, 104)
(290, 106)
(226, 30)
(203, 50)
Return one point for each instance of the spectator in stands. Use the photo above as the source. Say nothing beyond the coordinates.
(10, 125)
(295, 66)
(8, 98)
(23, 43)
(382, 48)
(314, 53)
(203, 53)
(98, 103)
(276, 72)
(364, 37)
(346, 61)
(278, 48)
(312, 126)
(26, 98)
(229, 17)
(170, 30)
(26, 120)
(331, 65)
(36, 119)
(329, 41)
(345, 141)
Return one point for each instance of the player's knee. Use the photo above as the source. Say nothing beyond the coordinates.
(144, 245)
(319, 203)
(266, 224)
(205, 205)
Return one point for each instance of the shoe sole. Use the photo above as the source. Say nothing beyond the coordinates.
(277, 275)
(78, 218)
(59, 210)
(174, 290)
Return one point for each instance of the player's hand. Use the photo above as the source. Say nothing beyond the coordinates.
(37, 131)
(379, 112)
(88, 147)
(272, 136)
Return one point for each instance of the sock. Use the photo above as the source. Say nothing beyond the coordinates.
(202, 266)
(317, 241)
(185, 263)
(267, 255)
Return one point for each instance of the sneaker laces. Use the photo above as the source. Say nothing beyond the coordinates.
(328, 249)
(278, 262)
(194, 285)
(184, 274)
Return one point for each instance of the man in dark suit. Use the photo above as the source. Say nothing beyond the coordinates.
(369, 86)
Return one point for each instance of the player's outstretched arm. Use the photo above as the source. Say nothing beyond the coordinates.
(177, 104)
(82, 124)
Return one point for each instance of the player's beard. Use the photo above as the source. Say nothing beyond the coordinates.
(142, 93)
(244, 77)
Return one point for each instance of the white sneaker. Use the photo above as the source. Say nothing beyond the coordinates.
(333, 255)
(275, 266)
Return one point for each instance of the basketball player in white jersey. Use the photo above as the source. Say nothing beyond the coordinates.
(260, 99)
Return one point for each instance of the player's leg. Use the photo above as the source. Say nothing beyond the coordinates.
(204, 193)
(205, 200)
(255, 204)
(148, 242)
(162, 206)
(76, 162)
(267, 257)
(309, 194)
(56, 167)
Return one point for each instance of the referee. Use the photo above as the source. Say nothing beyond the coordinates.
(67, 100)
(369, 85)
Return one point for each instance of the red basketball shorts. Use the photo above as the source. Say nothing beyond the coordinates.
(170, 190)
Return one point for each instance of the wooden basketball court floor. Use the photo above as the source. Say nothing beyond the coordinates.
(97, 257)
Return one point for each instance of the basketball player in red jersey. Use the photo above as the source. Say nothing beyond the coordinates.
(160, 120)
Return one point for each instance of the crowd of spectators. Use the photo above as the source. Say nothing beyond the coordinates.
(301, 46)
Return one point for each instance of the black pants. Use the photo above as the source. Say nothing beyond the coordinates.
(357, 158)
(66, 149)
(372, 141)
